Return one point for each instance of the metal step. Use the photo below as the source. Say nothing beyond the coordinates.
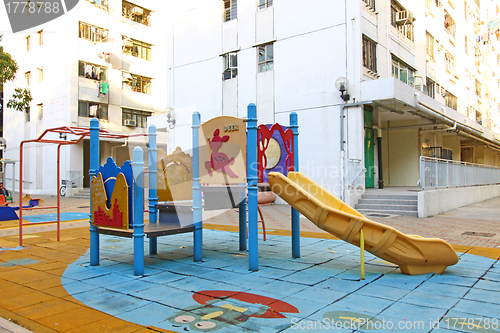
(386, 202)
(367, 212)
(387, 207)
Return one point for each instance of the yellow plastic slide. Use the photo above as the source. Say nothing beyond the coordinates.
(413, 254)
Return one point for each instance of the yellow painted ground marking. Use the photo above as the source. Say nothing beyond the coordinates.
(232, 307)
(350, 318)
(471, 324)
(212, 315)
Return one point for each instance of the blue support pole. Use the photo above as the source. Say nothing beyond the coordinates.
(243, 222)
(153, 199)
(294, 125)
(197, 213)
(252, 178)
(94, 166)
(138, 235)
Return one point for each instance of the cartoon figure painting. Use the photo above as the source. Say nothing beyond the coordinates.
(219, 161)
(222, 308)
(222, 154)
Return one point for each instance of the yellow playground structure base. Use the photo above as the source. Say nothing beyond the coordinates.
(413, 254)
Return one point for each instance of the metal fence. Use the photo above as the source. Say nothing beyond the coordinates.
(439, 173)
(355, 174)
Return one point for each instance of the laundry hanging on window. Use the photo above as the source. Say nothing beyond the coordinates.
(93, 111)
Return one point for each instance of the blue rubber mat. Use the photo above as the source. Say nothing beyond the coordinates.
(53, 217)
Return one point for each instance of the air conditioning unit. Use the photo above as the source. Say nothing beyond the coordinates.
(129, 122)
(137, 11)
(404, 17)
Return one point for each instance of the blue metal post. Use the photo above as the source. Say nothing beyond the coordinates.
(138, 235)
(243, 221)
(294, 125)
(252, 178)
(94, 166)
(153, 199)
(197, 213)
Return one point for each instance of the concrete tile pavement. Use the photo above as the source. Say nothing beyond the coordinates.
(36, 279)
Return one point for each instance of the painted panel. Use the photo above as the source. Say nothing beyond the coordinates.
(175, 176)
(115, 215)
(223, 151)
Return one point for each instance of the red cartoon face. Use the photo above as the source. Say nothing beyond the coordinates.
(224, 308)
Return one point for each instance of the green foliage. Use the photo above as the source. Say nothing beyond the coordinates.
(20, 100)
(8, 67)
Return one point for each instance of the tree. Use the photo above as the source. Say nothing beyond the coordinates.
(8, 67)
(21, 98)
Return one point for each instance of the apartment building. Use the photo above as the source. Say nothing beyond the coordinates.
(376, 84)
(420, 81)
(103, 59)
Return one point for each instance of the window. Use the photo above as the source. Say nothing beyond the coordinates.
(479, 117)
(40, 74)
(40, 111)
(266, 57)
(91, 71)
(431, 88)
(136, 13)
(28, 43)
(263, 4)
(478, 88)
(140, 117)
(136, 48)
(27, 78)
(450, 100)
(402, 71)
(370, 3)
(402, 20)
(450, 64)
(230, 66)
(40, 38)
(103, 4)
(27, 114)
(132, 82)
(230, 10)
(369, 54)
(449, 24)
(429, 45)
(91, 109)
(92, 33)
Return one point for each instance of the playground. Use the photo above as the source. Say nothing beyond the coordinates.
(357, 276)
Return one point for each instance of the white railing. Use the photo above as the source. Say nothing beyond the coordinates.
(439, 173)
(355, 174)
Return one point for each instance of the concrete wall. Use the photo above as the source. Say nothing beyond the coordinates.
(400, 152)
(432, 202)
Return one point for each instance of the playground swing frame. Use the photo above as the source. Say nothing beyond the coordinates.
(63, 131)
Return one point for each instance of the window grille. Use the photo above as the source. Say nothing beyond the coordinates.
(230, 10)
(230, 66)
(136, 48)
(266, 57)
(369, 54)
(140, 117)
(92, 33)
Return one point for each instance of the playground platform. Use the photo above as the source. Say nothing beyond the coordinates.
(49, 286)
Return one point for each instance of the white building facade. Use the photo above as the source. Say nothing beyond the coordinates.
(102, 59)
(421, 81)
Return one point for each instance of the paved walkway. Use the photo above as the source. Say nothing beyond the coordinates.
(49, 286)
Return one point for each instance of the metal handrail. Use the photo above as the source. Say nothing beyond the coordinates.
(441, 173)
